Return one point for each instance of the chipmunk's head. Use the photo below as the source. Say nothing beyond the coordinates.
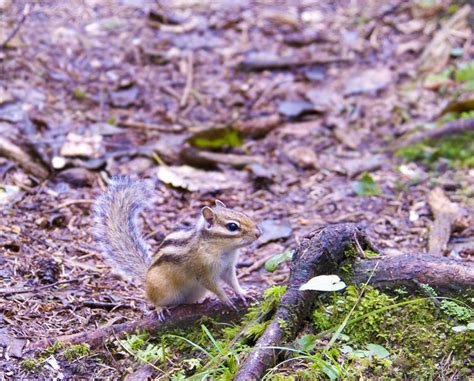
(230, 228)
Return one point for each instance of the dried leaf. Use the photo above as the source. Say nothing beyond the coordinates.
(194, 179)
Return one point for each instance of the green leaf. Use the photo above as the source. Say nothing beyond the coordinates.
(366, 186)
(465, 73)
(346, 349)
(272, 264)
(471, 326)
(469, 85)
(378, 350)
(306, 343)
(150, 353)
(216, 138)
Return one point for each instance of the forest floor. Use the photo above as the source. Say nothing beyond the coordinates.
(316, 90)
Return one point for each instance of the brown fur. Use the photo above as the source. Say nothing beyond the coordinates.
(210, 253)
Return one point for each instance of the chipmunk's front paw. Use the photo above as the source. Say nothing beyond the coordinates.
(160, 313)
(230, 304)
(245, 296)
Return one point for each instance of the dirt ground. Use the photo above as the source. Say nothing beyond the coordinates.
(102, 88)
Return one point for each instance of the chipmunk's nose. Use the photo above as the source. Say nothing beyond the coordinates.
(258, 232)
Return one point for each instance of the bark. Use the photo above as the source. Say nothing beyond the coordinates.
(444, 274)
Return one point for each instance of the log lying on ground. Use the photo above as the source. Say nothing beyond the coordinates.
(181, 316)
(320, 253)
(444, 274)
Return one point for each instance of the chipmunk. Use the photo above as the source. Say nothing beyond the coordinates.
(188, 262)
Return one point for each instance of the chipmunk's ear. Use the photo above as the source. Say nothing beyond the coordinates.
(220, 204)
(208, 215)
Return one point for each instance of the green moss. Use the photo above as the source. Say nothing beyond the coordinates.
(52, 349)
(32, 366)
(457, 149)
(460, 313)
(350, 252)
(73, 352)
(416, 334)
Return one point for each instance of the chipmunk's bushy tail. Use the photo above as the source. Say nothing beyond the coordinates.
(117, 232)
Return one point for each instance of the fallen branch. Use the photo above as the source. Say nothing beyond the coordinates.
(445, 215)
(149, 126)
(318, 254)
(28, 160)
(181, 316)
(259, 64)
(444, 274)
(451, 128)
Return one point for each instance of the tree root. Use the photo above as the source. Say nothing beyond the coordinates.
(318, 254)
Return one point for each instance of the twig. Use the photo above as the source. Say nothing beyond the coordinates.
(23, 158)
(445, 214)
(14, 291)
(451, 128)
(149, 126)
(104, 305)
(286, 63)
(189, 79)
(25, 13)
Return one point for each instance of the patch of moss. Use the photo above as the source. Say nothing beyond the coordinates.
(416, 334)
(73, 352)
(32, 366)
(457, 149)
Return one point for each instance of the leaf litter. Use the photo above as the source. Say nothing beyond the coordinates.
(115, 65)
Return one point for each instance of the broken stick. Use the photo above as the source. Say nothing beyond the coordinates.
(445, 215)
(28, 159)
(451, 128)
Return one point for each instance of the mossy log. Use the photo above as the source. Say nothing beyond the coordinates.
(319, 253)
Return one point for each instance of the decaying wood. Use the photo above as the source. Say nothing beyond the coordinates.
(24, 158)
(318, 254)
(445, 214)
(180, 316)
(259, 64)
(451, 128)
(444, 274)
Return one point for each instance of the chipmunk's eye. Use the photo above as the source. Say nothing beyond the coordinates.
(232, 226)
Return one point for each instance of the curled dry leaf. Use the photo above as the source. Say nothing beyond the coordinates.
(81, 145)
(193, 179)
(258, 127)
